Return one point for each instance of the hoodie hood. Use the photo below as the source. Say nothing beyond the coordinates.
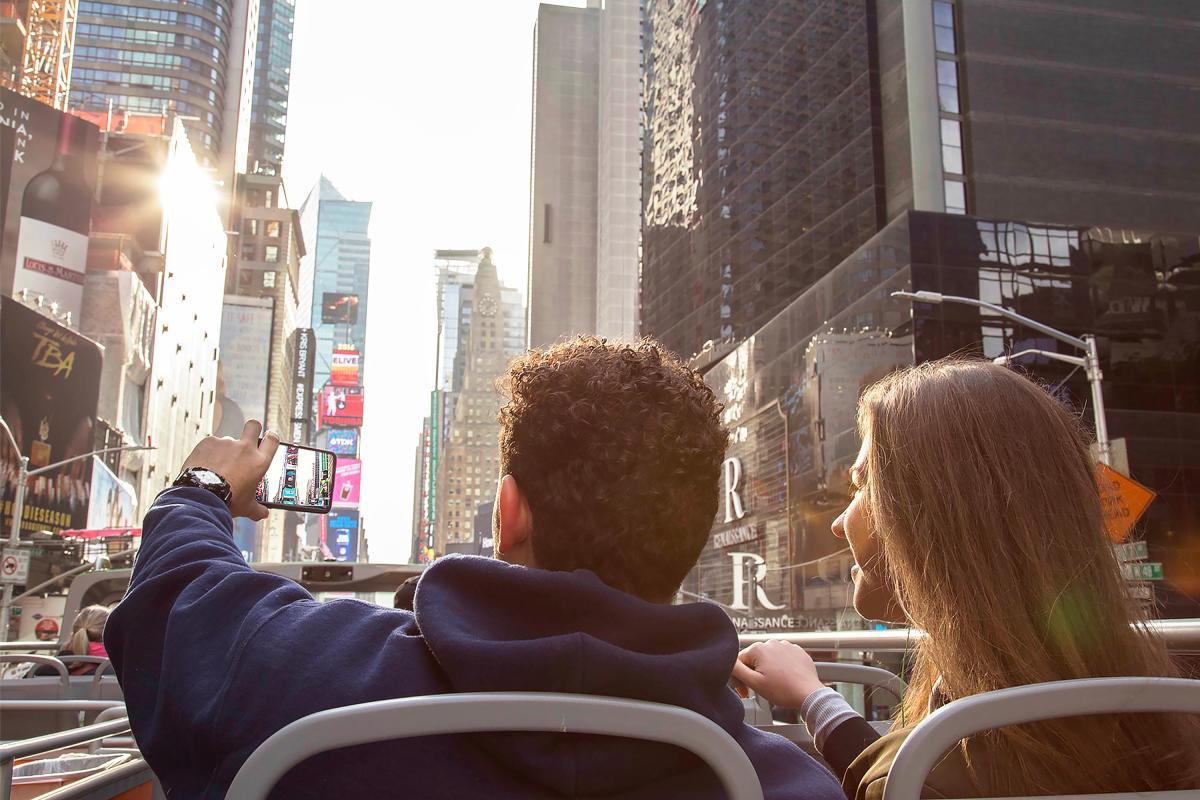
(494, 627)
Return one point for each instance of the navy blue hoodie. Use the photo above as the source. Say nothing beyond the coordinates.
(214, 657)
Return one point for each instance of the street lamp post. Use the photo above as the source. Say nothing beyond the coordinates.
(24, 473)
(1090, 361)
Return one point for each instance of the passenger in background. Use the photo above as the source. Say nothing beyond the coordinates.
(610, 462)
(87, 639)
(976, 518)
(405, 594)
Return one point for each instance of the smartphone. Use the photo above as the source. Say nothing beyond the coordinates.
(299, 479)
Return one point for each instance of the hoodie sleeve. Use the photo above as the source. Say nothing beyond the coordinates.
(213, 656)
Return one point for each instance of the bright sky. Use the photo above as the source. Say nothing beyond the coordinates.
(424, 110)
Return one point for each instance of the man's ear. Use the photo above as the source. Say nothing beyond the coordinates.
(514, 521)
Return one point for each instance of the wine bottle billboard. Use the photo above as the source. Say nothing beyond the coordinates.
(49, 204)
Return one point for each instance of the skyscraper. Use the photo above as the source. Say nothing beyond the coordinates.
(469, 461)
(584, 186)
(272, 84)
(781, 136)
(195, 59)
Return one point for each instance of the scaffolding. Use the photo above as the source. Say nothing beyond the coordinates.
(38, 47)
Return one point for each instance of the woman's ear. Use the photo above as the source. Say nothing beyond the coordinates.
(514, 523)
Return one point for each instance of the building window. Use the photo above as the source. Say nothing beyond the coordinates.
(251, 227)
(546, 224)
(272, 229)
(249, 252)
(272, 254)
(956, 196)
(268, 280)
(943, 27)
(947, 76)
(952, 159)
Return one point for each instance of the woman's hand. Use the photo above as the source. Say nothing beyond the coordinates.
(779, 671)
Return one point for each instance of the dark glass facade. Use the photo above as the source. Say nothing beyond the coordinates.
(149, 57)
(272, 83)
(791, 391)
(761, 159)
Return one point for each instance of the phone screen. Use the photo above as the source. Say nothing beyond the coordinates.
(299, 478)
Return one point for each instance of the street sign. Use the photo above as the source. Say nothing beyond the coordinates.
(1124, 501)
(14, 566)
(1146, 571)
(1131, 551)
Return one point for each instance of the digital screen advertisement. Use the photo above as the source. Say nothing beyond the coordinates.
(300, 477)
(341, 406)
(343, 441)
(339, 309)
(343, 369)
(348, 482)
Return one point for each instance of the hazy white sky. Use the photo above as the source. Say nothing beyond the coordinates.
(422, 108)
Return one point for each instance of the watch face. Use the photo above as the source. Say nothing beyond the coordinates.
(208, 477)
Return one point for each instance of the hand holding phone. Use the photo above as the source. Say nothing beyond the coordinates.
(299, 479)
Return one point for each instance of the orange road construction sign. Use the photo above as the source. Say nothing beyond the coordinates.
(1124, 501)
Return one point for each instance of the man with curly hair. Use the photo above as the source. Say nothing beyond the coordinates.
(610, 459)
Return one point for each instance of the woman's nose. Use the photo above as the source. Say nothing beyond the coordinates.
(839, 526)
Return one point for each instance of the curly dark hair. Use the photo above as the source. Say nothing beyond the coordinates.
(618, 449)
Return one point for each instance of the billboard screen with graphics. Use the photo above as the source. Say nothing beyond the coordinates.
(113, 503)
(245, 365)
(341, 537)
(49, 387)
(48, 208)
(344, 366)
(341, 406)
(343, 441)
(339, 309)
(347, 481)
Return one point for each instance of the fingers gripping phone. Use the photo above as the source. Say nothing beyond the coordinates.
(299, 479)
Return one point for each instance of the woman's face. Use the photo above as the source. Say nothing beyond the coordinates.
(873, 598)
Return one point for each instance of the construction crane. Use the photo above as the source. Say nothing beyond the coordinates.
(39, 44)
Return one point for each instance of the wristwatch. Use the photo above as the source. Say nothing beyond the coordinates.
(202, 478)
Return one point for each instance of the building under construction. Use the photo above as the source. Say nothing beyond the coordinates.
(37, 42)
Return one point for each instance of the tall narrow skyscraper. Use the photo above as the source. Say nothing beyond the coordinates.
(272, 84)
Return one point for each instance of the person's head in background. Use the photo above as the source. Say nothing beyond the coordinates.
(976, 517)
(405, 593)
(88, 629)
(610, 457)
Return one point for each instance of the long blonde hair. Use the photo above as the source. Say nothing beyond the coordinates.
(88, 627)
(981, 489)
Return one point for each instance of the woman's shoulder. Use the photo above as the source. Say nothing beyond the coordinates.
(867, 775)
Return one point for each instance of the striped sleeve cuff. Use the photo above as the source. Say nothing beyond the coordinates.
(822, 711)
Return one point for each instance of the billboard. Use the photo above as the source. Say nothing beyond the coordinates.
(303, 344)
(343, 441)
(113, 503)
(342, 537)
(243, 373)
(48, 206)
(343, 369)
(339, 309)
(49, 387)
(341, 406)
(347, 482)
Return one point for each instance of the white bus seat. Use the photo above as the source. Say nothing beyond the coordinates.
(26, 719)
(494, 712)
(44, 688)
(955, 721)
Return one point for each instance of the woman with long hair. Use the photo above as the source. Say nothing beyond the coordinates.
(976, 518)
(87, 637)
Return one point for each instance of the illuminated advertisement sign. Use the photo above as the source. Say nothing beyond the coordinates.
(48, 205)
(342, 536)
(347, 482)
(49, 388)
(341, 406)
(113, 502)
(343, 441)
(305, 355)
(339, 309)
(344, 366)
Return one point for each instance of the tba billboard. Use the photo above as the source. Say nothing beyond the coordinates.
(347, 482)
(48, 205)
(343, 369)
(341, 406)
(339, 309)
(244, 369)
(49, 387)
(343, 441)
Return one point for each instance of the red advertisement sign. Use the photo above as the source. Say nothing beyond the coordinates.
(344, 368)
(341, 406)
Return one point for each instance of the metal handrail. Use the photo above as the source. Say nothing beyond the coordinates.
(22, 646)
(46, 661)
(11, 751)
(1177, 634)
(120, 778)
(496, 712)
(938, 732)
